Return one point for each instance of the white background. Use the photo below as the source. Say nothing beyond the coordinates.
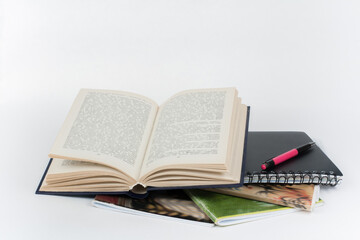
(296, 63)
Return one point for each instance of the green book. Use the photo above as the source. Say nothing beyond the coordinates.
(226, 210)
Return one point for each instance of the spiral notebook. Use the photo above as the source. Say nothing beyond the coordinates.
(311, 167)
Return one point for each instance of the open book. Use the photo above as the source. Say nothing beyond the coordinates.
(114, 141)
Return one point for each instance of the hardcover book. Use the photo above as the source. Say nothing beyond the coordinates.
(116, 142)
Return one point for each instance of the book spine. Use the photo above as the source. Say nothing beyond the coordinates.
(307, 177)
(202, 206)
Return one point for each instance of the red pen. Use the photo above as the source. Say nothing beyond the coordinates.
(286, 156)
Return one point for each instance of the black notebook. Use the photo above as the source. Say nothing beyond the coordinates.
(312, 166)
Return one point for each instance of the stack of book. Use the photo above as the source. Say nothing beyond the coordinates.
(187, 158)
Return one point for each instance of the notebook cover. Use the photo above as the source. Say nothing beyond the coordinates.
(262, 146)
(131, 194)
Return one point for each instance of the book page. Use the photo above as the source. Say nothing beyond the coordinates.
(64, 175)
(107, 127)
(206, 174)
(192, 127)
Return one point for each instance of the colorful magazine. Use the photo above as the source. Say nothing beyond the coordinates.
(226, 210)
(171, 204)
(302, 196)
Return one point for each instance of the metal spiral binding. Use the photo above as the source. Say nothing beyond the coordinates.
(290, 177)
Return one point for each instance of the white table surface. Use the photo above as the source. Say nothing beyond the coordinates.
(296, 63)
